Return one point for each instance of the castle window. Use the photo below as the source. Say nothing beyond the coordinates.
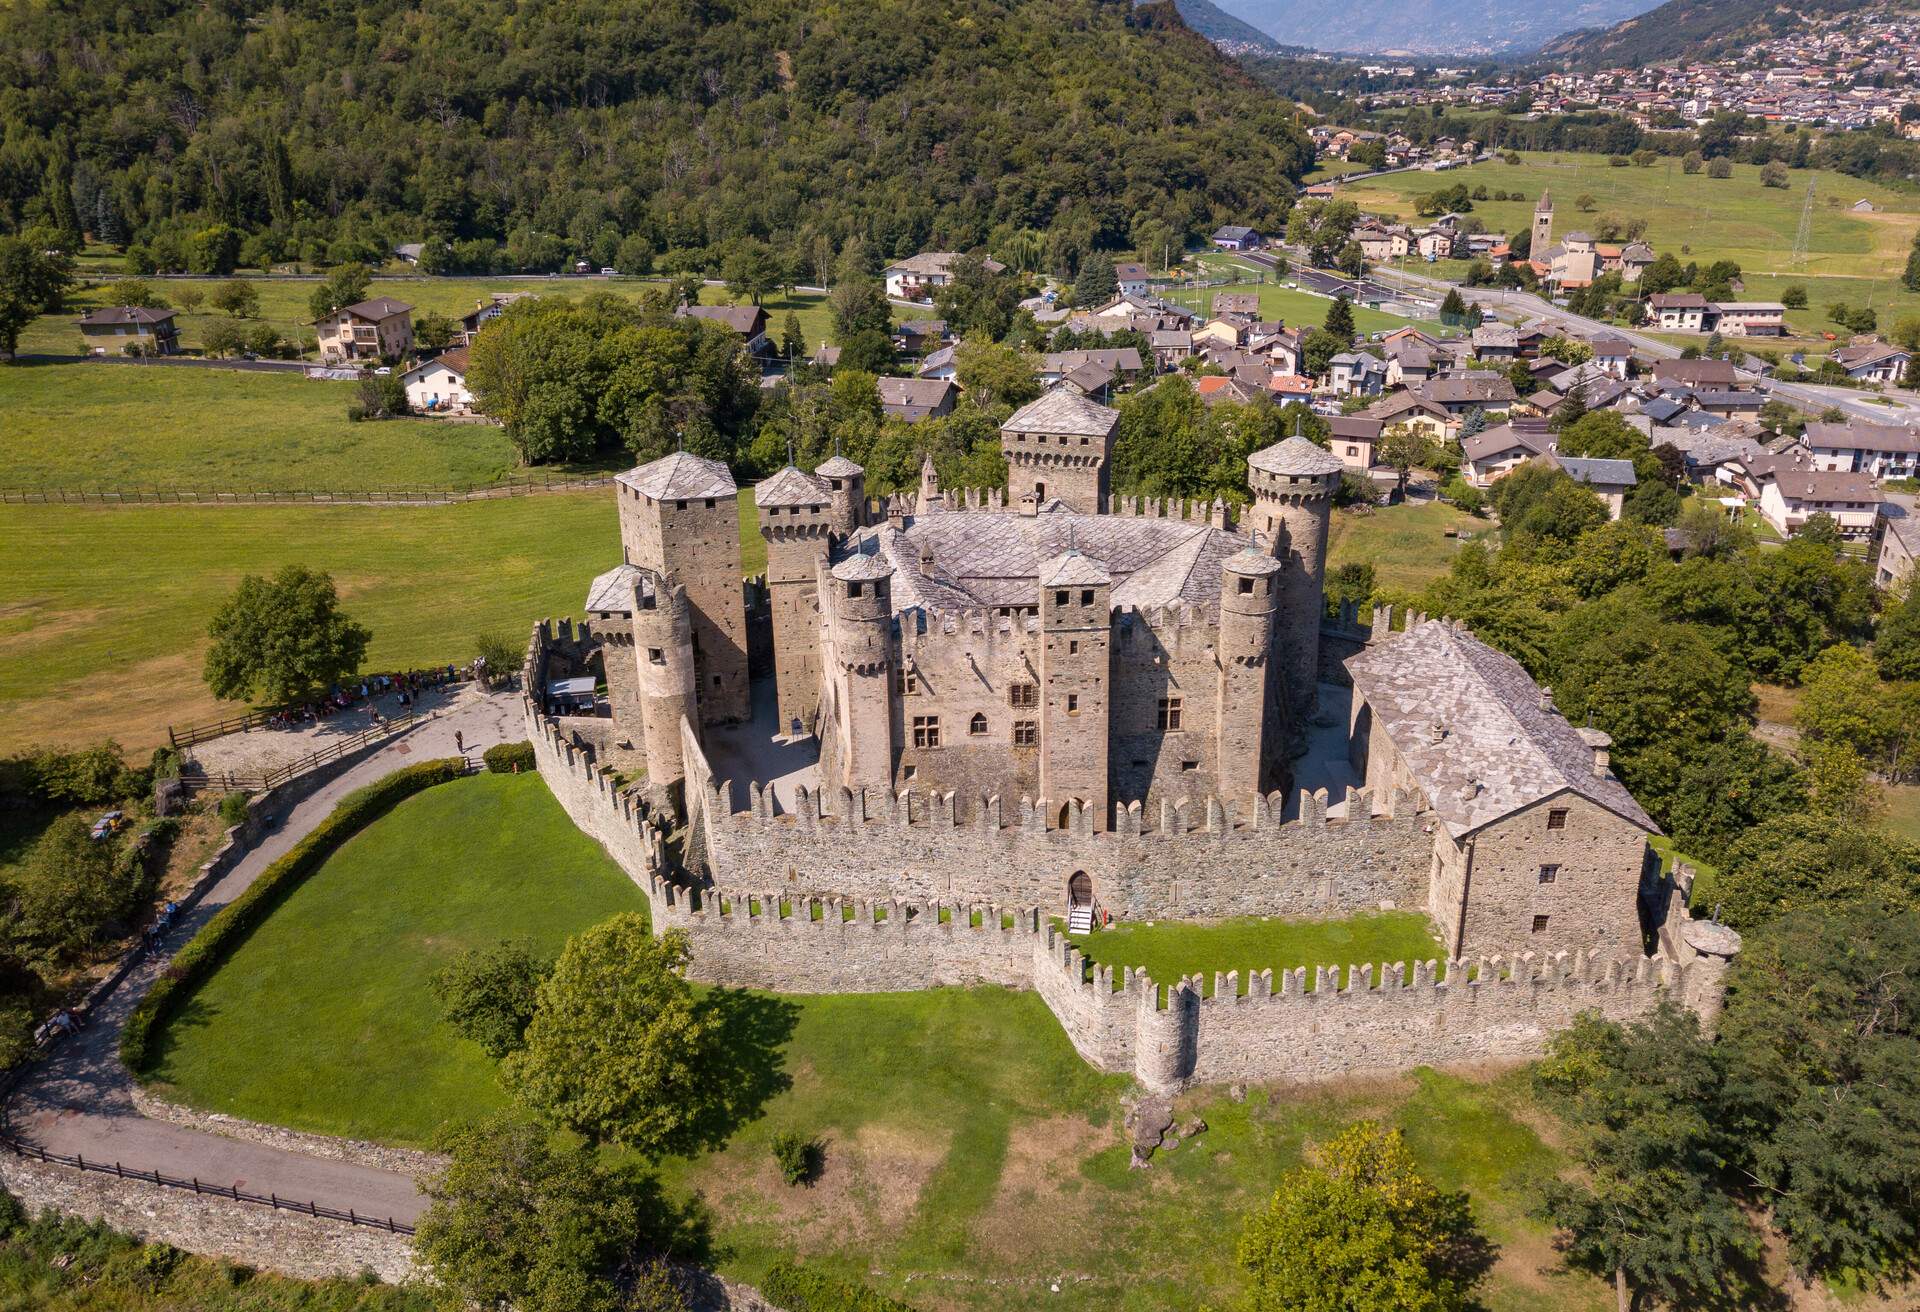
(1548, 874)
(1073, 646)
(906, 772)
(1023, 696)
(1060, 597)
(926, 731)
(978, 724)
(655, 656)
(1026, 733)
(716, 681)
(709, 503)
(1246, 587)
(1557, 818)
(1188, 767)
(1539, 924)
(1169, 713)
(1086, 596)
(1073, 703)
(853, 589)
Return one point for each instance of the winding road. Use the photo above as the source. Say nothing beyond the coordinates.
(80, 1100)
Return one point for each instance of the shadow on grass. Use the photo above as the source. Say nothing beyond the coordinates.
(746, 1069)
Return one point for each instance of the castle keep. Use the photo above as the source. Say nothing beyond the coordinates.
(1009, 706)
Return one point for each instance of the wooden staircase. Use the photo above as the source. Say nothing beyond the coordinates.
(1080, 918)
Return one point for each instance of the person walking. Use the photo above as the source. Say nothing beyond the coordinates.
(459, 742)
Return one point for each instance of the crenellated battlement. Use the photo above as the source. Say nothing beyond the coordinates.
(1215, 513)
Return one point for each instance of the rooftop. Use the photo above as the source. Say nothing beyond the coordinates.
(790, 487)
(680, 477)
(1063, 412)
(612, 592)
(1296, 456)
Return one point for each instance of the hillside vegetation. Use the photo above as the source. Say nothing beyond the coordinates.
(517, 135)
(1690, 29)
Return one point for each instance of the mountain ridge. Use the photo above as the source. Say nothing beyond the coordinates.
(1477, 28)
(1686, 29)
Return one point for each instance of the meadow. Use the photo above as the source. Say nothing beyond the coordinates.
(1171, 951)
(1289, 305)
(972, 1160)
(1407, 545)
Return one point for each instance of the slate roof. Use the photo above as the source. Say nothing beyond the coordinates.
(1799, 483)
(1861, 437)
(1120, 359)
(1296, 456)
(1437, 681)
(790, 487)
(838, 467)
(1355, 427)
(121, 315)
(1065, 413)
(858, 567)
(612, 592)
(680, 477)
(1504, 437)
(914, 398)
(1586, 469)
(1073, 569)
(746, 320)
(985, 558)
(380, 307)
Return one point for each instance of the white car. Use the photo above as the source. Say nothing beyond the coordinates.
(382, 371)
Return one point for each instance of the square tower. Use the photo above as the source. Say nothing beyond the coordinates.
(1076, 608)
(1057, 448)
(796, 520)
(680, 515)
(1542, 227)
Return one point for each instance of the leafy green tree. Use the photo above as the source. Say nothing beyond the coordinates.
(976, 301)
(1096, 281)
(1319, 348)
(1896, 643)
(1648, 1208)
(1361, 1230)
(346, 285)
(1340, 320)
(1822, 1039)
(276, 640)
(488, 994)
(1807, 862)
(1794, 296)
(1351, 583)
(516, 1220)
(214, 250)
(134, 291)
(1844, 703)
(66, 895)
(751, 270)
(996, 376)
(793, 342)
(1613, 555)
(223, 339)
(870, 351)
(236, 297)
(616, 1050)
(1773, 174)
(433, 330)
(1452, 307)
(32, 283)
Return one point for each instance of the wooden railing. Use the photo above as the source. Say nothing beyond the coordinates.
(260, 783)
(417, 496)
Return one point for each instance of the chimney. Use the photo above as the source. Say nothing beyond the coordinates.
(926, 561)
(1599, 742)
(1470, 790)
(1029, 504)
(1437, 733)
(1546, 699)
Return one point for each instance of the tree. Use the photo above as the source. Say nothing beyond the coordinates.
(996, 375)
(346, 285)
(237, 297)
(282, 639)
(1692, 162)
(134, 291)
(1572, 408)
(1452, 308)
(1361, 1230)
(751, 270)
(32, 283)
(1096, 281)
(1808, 862)
(976, 301)
(1794, 296)
(616, 1048)
(1340, 320)
(857, 301)
(1647, 1209)
(1319, 348)
(793, 342)
(1773, 174)
(66, 894)
(1896, 643)
(1720, 167)
(516, 1221)
(488, 994)
(433, 330)
(223, 339)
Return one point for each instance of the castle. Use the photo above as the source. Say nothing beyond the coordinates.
(1049, 701)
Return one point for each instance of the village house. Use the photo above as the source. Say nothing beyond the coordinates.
(1355, 373)
(484, 313)
(1170, 346)
(1899, 546)
(129, 330)
(747, 322)
(943, 363)
(1750, 318)
(1792, 491)
(1493, 452)
(1234, 237)
(914, 278)
(1873, 361)
(914, 399)
(1495, 341)
(1613, 355)
(919, 335)
(1215, 388)
(1416, 413)
(439, 386)
(1878, 450)
(1610, 480)
(1679, 312)
(372, 331)
(1354, 438)
(1123, 363)
(1132, 278)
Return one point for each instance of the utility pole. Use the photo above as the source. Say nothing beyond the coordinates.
(1800, 239)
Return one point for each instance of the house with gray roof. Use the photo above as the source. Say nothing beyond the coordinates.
(1610, 480)
(914, 399)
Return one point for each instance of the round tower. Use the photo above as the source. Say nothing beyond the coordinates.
(847, 495)
(1249, 601)
(862, 623)
(1293, 483)
(663, 647)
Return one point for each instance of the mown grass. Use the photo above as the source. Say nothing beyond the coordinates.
(1407, 545)
(1171, 950)
(103, 612)
(1287, 304)
(972, 1160)
(322, 1018)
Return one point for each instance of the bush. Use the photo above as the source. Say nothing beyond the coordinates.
(1463, 494)
(799, 1289)
(503, 758)
(227, 930)
(799, 1157)
(499, 653)
(233, 809)
(92, 776)
(1720, 168)
(488, 994)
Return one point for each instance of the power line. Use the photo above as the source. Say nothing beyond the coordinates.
(1801, 238)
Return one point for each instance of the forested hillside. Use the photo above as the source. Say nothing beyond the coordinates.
(1689, 29)
(518, 133)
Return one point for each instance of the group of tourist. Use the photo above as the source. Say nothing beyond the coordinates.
(408, 684)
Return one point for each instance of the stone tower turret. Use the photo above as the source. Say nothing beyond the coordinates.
(680, 515)
(847, 495)
(930, 497)
(663, 650)
(1293, 484)
(1249, 600)
(1542, 226)
(1058, 447)
(861, 617)
(1076, 623)
(796, 520)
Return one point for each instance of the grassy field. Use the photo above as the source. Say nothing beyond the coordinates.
(336, 979)
(972, 1160)
(1407, 545)
(1289, 305)
(103, 611)
(1171, 951)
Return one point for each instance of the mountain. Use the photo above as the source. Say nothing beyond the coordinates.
(1222, 28)
(519, 134)
(1430, 27)
(1689, 29)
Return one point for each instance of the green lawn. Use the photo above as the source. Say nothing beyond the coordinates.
(1407, 545)
(103, 612)
(1289, 305)
(1170, 951)
(322, 1017)
(1692, 217)
(972, 1160)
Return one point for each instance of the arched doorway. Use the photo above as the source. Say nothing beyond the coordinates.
(1080, 903)
(1040, 493)
(1065, 818)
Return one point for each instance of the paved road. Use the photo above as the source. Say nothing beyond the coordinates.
(80, 1100)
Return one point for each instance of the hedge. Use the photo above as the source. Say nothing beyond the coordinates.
(799, 1289)
(230, 926)
(503, 757)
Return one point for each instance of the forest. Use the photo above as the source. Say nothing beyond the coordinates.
(512, 136)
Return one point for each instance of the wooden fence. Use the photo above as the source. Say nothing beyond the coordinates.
(418, 496)
(260, 783)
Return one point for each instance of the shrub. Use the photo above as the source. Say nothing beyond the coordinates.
(799, 1157)
(227, 930)
(499, 653)
(502, 758)
(799, 1289)
(233, 809)
(1463, 494)
(488, 994)
(1720, 168)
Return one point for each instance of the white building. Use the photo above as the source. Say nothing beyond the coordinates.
(439, 386)
(1879, 450)
(1795, 493)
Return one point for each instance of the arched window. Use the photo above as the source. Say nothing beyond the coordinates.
(1080, 890)
(978, 724)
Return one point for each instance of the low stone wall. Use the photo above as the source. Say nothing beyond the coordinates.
(302, 1246)
(381, 1157)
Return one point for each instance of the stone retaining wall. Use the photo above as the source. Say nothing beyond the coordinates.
(381, 1157)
